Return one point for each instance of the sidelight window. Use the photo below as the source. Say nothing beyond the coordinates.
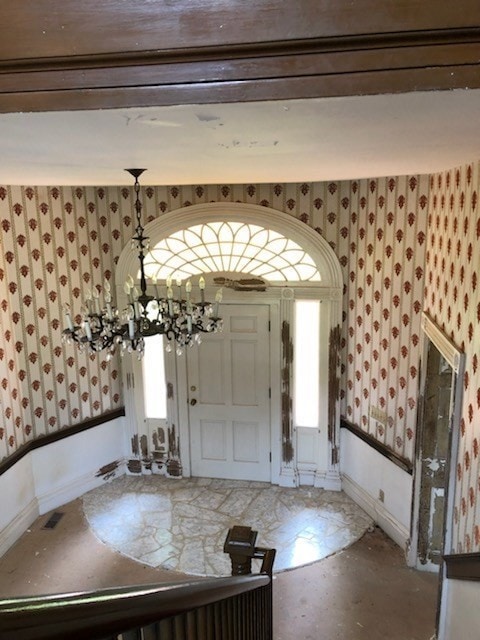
(306, 363)
(154, 385)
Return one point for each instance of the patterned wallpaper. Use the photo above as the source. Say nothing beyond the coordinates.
(452, 299)
(55, 242)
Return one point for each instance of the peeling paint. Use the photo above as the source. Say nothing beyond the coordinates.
(333, 387)
(134, 466)
(158, 440)
(433, 464)
(144, 446)
(134, 442)
(108, 470)
(174, 465)
(286, 395)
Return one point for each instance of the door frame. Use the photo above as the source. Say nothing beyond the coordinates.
(456, 359)
(280, 296)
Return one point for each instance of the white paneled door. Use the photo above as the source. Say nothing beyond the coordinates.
(229, 398)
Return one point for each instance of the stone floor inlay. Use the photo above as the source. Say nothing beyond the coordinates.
(181, 524)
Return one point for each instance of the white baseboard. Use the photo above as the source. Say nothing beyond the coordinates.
(74, 489)
(376, 510)
(18, 526)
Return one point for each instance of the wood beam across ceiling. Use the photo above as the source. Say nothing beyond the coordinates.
(105, 55)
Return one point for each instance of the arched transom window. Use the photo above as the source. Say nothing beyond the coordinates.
(230, 247)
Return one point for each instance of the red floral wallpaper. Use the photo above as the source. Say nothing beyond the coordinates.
(55, 242)
(452, 299)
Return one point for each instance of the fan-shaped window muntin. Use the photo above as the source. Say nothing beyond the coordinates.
(230, 247)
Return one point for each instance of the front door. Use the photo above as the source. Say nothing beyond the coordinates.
(229, 397)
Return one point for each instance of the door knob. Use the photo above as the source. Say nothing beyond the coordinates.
(193, 402)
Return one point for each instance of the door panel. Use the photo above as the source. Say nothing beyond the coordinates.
(213, 440)
(245, 441)
(229, 403)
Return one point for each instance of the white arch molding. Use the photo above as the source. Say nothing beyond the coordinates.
(324, 472)
(313, 243)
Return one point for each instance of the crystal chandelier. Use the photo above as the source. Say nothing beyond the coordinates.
(180, 319)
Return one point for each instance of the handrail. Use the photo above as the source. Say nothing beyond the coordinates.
(90, 615)
(463, 566)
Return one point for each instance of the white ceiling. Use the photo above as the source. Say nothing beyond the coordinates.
(284, 141)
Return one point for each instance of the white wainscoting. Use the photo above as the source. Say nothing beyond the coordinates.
(460, 614)
(18, 501)
(55, 474)
(365, 473)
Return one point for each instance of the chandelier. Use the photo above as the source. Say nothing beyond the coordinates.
(180, 319)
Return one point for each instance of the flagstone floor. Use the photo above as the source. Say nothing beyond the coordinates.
(181, 525)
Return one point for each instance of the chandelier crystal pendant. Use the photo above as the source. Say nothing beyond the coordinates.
(180, 319)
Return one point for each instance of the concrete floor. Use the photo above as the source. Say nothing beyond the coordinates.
(364, 592)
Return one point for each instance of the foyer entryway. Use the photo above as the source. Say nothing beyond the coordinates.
(361, 593)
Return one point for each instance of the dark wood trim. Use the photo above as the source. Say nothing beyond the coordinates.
(463, 566)
(238, 72)
(228, 52)
(401, 462)
(42, 441)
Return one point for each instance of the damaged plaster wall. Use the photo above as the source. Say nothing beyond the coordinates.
(286, 378)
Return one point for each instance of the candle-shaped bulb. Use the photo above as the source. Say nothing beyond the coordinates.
(218, 299)
(178, 282)
(201, 284)
(170, 301)
(87, 329)
(88, 301)
(168, 281)
(68, 317)
(107, 290)
(96, 299)
(135, 293)
(154, 282)
(127, 287)
(188, 286)
(131, 329)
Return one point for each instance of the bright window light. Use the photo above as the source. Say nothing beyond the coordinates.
(306, 362)
(154, 384)
(215, 243)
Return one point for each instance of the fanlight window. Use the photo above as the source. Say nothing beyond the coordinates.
(230, 247)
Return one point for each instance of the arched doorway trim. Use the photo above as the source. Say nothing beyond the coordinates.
(314, 244)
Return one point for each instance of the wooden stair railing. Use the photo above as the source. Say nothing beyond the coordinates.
(232, 608)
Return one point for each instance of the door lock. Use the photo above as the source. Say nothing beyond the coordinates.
(193, 402)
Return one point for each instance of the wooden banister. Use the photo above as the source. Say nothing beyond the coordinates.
(95, 615)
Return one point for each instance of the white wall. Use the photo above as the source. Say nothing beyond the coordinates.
(52, 475)
(460, 617)
(365, 472)
(18, 503)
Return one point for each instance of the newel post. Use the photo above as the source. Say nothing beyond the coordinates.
(240, 546)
